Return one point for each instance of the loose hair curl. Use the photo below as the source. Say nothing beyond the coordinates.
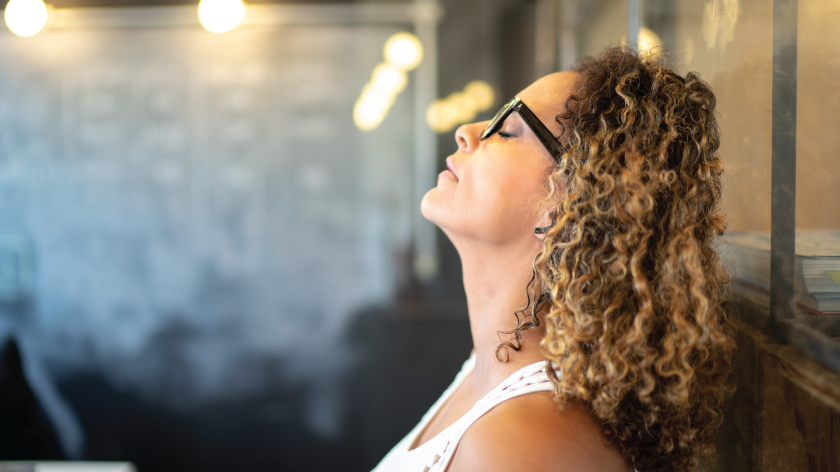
(636, 328)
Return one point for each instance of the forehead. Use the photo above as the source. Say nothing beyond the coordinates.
(547, 96)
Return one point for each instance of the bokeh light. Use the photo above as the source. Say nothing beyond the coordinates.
(371, 108)
(404, 50)
(463, 106)
(378, 96)
(482, 93)
(440, 116)
(26, 17)
(389, 78)
(649, 42)
(444, 115)
(220, 16)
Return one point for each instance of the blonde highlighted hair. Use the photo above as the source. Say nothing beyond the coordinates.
(636, 326)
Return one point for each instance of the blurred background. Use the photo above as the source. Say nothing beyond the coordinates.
(211, 252)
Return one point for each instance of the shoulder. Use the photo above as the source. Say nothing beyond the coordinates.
(531, 433)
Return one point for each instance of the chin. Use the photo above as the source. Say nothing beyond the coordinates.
(427, 206)
(439, 213)
(435, 208)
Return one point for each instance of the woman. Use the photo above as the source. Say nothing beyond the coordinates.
(592, 200)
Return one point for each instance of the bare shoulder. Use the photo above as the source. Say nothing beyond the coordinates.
(531, 433)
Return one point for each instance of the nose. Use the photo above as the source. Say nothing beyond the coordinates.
(467, 136)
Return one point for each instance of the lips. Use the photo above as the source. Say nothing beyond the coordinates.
(451, 167)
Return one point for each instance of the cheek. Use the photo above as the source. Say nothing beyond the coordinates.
(506, 195)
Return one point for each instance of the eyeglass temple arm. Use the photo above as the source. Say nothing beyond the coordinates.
(541, 131)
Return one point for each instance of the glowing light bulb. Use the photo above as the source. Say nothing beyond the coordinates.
(220, 16)
(26, 17)
(404, 50)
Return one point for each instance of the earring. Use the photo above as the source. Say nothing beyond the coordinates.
(542, 230)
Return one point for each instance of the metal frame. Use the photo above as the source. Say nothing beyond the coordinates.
(783, 200)
(635, 20)
(569, 13)
(545, 37)
(427, 14)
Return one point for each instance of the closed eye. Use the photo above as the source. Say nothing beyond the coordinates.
(506, 135)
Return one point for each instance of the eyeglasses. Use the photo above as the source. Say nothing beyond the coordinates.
(540, 130)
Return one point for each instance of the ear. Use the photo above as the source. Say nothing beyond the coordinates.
(544, 224)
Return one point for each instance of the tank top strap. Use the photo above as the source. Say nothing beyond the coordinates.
(529, 379)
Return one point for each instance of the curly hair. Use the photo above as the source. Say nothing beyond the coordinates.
(636, 325)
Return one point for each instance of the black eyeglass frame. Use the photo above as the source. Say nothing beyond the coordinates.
(540, 130)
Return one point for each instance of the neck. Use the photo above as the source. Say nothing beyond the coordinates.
(495, 281)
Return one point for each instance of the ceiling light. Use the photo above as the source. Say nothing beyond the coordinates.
(26, 17)
(220, 16)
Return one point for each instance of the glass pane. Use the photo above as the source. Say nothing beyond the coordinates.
(817, 270)
(729, 43)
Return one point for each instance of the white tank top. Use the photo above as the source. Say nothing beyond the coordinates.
(435, 454)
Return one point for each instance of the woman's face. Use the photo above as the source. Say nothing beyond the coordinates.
(493, 190)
